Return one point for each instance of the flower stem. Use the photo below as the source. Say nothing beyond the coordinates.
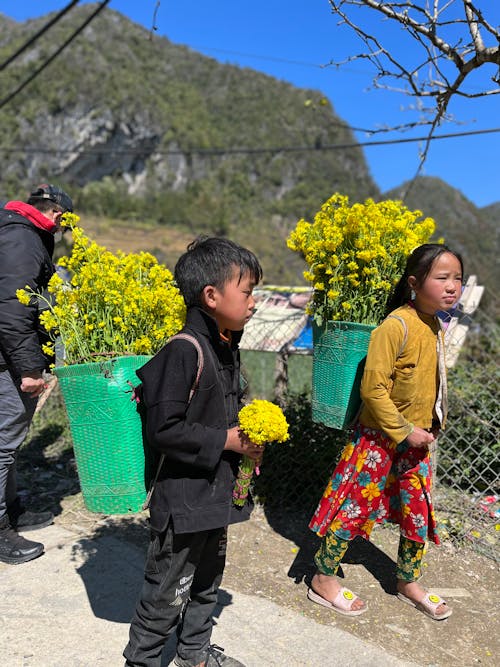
(242, 484)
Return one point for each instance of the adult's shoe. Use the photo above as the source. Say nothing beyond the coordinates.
(14, 548)
(215, 657)
(23, 520)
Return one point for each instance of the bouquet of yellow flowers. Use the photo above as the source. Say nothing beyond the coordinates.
(110, 305)
(356, 254)
(262, 421)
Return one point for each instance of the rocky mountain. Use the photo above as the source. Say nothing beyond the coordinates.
(145, 131)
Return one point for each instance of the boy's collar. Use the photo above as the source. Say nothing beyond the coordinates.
(196, 315)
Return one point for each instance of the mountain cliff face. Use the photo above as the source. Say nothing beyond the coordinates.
(160, 117)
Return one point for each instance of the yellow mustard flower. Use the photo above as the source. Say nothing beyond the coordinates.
(356, 254)
(263, 422)
(23, 296)
(111, 302)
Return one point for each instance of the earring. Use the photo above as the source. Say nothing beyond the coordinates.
(413, 294)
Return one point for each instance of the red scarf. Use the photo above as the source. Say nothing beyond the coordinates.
(32, 214)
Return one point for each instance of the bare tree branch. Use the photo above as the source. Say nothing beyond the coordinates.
(441, 43)
(453, 37)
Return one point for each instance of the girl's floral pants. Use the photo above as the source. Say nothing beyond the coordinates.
(377, 480)
(332, 551)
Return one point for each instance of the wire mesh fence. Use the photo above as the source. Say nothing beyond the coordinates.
(468, 461)
(467, 457)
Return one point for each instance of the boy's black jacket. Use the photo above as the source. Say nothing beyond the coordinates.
(197, 478)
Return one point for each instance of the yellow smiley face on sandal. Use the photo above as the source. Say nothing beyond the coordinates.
(348, 595)
(434, 598)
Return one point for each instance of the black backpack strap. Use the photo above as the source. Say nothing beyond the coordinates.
(200, 363)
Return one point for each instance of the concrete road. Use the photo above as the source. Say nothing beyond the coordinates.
(71, 608)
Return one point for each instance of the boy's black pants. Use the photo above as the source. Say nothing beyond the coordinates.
(182, 576)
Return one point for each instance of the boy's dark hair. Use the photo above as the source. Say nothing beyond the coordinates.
(418, 264)
(212, 261)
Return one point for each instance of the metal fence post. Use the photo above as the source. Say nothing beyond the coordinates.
(281, 376)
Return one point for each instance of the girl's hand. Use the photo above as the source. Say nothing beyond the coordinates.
(240, 443)
(420, 437)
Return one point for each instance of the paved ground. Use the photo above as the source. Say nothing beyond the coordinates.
(280, 550)
(71, 608)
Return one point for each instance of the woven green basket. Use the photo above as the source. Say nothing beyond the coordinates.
(107, 432)
(338, 362)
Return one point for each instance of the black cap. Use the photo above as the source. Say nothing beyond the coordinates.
(55, 194)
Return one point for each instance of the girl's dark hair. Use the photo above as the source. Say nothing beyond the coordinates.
(418, 264)
(212, 261)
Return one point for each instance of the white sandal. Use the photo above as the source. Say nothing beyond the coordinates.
(428, 605)
(342, 603)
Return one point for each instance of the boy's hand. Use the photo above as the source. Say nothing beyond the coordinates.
(420, 437)
(238, 442)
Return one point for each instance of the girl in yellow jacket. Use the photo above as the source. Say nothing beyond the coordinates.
(385, 472)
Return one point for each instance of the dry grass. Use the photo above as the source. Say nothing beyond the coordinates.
(164, 242)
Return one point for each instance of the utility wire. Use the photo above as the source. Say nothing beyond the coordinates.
(154, 27)
(274, 59)
(37, 35)
(339, 67)
(246, 151)
(53, 56)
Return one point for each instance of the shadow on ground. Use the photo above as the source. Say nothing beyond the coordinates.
(111, 565)
(46, 473)
(360, 552)
(272, 556)
(110, 562)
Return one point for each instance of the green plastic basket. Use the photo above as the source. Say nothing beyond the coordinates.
(107, 432)
(338, 361)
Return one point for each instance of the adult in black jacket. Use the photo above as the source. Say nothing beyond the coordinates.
(191, 505)
(26, 248)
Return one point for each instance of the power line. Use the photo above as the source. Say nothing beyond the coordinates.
(216, 150)
(339, 67)
(54, 55)
(342, 124)
(37, 35)
(450, 135)
(256, 56)
(245, 151)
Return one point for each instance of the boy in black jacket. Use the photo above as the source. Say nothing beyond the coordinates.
(191, 505)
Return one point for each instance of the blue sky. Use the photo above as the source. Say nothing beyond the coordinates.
(293, 41)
